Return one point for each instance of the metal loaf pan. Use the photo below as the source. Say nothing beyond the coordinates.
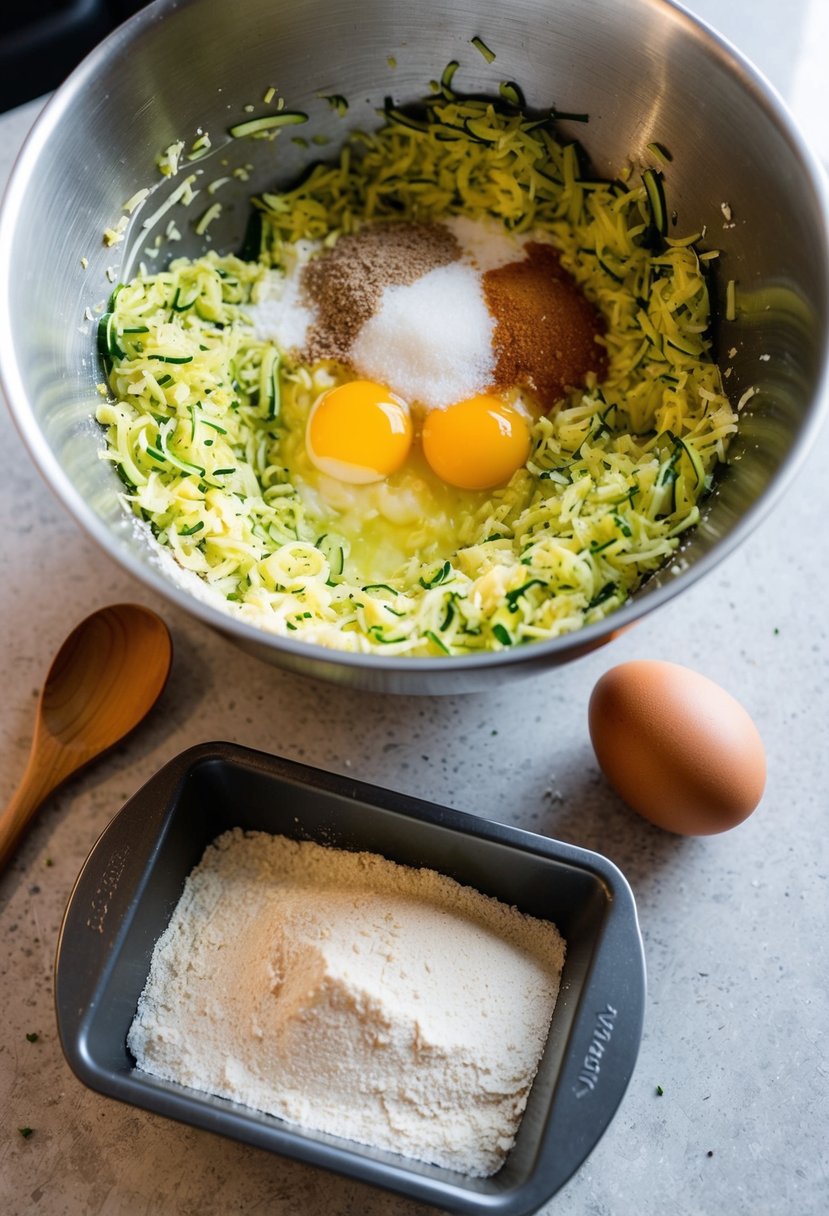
(133, 878)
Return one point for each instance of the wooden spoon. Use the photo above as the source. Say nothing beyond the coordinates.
(105, 678)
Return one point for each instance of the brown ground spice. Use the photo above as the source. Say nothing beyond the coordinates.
(345, 283)
(545, 328)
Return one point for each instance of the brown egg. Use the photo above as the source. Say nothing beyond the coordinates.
(676, 747)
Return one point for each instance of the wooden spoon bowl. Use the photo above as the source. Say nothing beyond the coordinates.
(103, 681)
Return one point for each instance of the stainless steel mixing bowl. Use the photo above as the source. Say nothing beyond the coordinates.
(643, 70)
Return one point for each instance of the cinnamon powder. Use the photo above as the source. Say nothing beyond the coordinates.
(545, 328)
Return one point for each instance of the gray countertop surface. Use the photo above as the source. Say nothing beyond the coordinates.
(728, 1109)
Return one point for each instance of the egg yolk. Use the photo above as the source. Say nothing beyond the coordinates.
(358, 432)
(476, 444)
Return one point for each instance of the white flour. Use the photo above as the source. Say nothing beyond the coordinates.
(345, 993)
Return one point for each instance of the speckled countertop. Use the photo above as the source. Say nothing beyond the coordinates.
(735, 927)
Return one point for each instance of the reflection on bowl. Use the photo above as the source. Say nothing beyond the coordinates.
(168, 75)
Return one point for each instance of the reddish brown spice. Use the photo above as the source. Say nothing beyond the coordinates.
(545, 328)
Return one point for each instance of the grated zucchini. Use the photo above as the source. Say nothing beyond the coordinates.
(615, 475)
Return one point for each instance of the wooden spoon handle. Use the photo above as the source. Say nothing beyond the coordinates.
(46, 769)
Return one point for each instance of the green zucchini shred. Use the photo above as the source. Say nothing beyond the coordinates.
(482, 47)
(267, 123)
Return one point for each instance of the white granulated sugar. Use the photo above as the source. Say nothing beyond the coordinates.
(430, 341)
(351, 995)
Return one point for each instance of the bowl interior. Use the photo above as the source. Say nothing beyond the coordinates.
(643, 71)
(134, 878)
